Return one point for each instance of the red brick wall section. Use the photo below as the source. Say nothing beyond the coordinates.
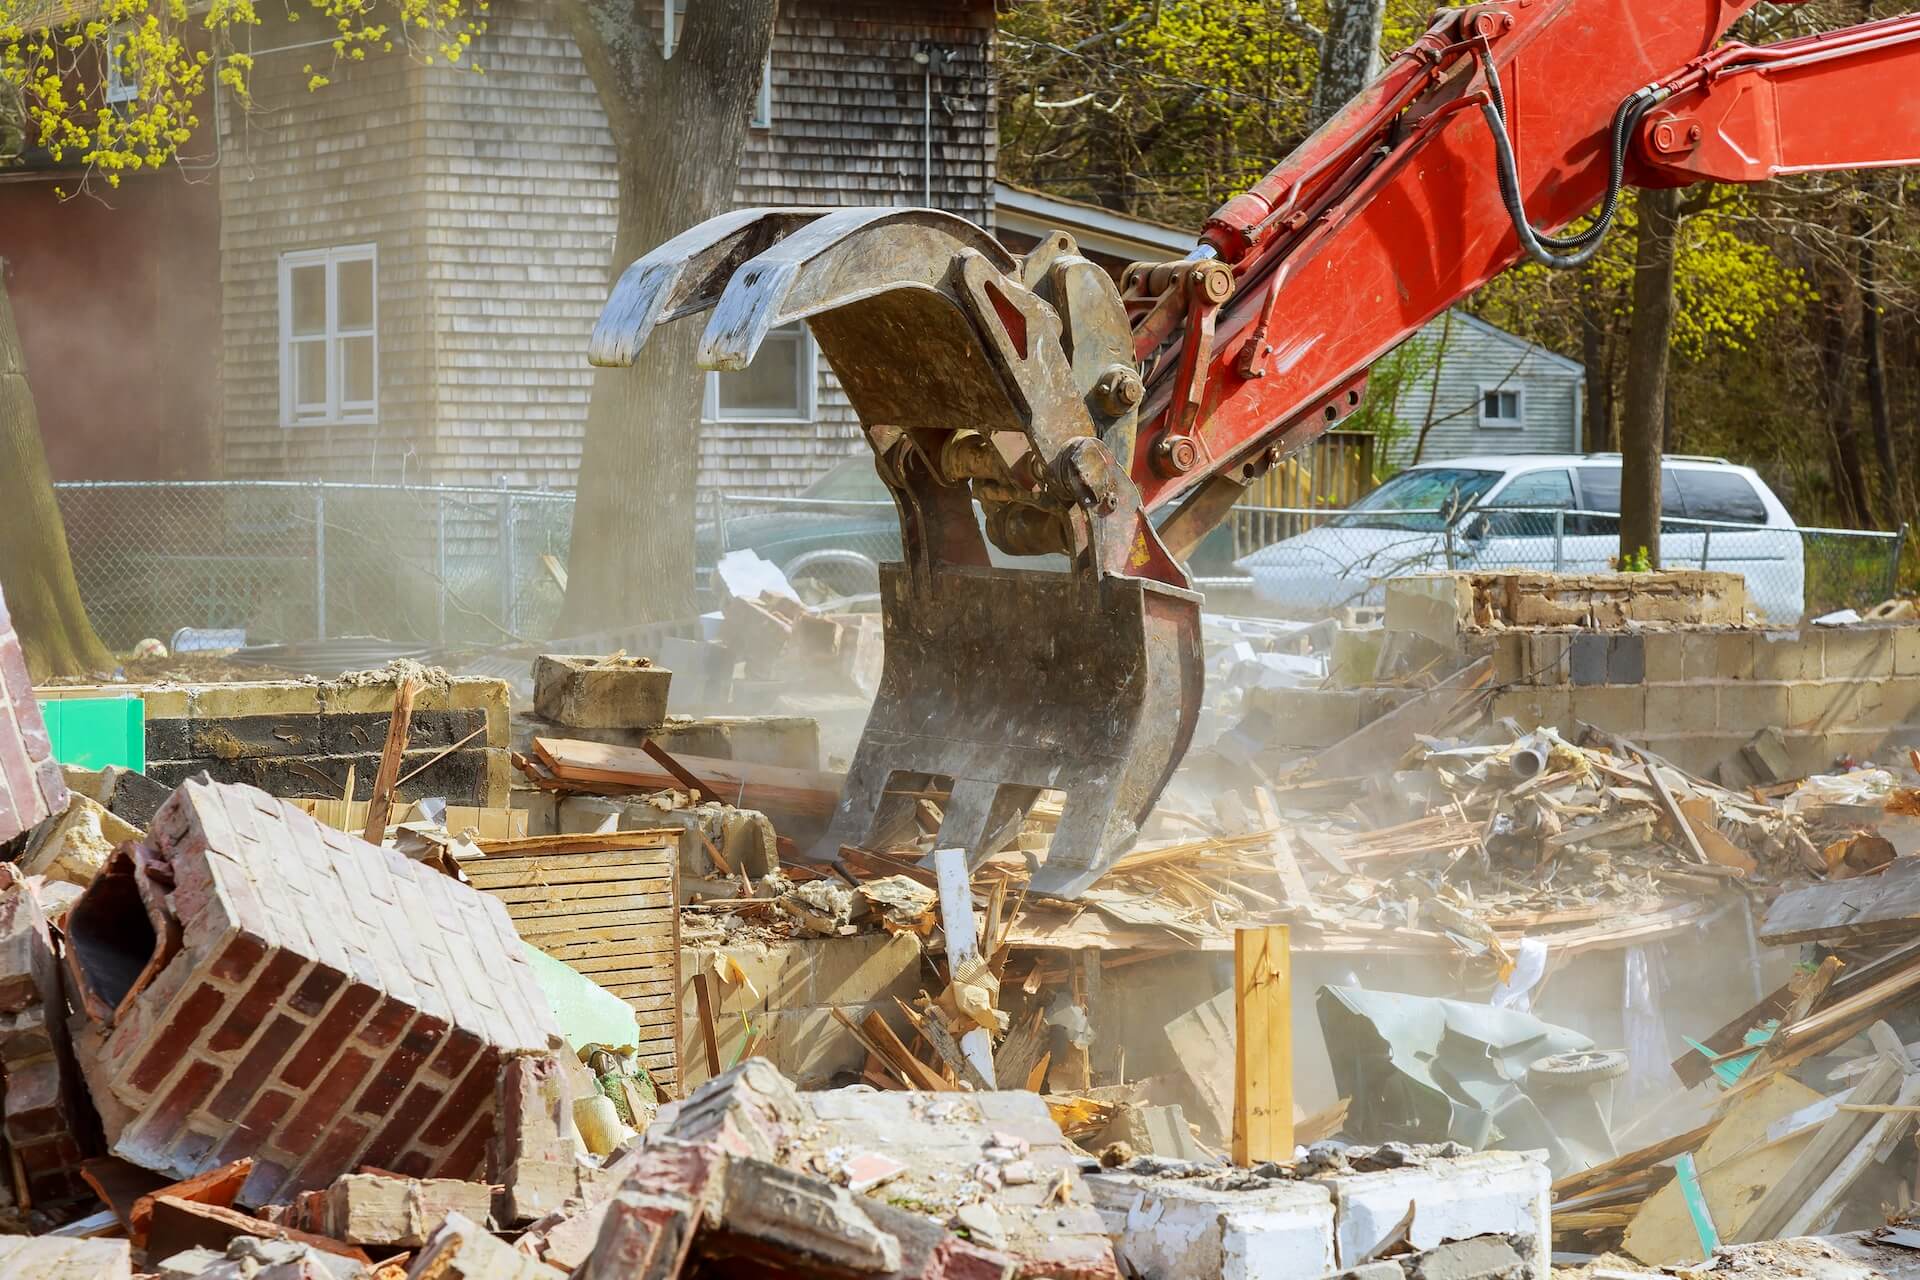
(332, 1004)
(42, 1115)
(30, 783)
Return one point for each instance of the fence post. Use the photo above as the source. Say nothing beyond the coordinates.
(1560, 540)
(1893, 563)
(507, 566)
(440, 565)
(319, 560)
(1706, 544)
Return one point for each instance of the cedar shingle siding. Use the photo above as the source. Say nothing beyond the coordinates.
(491, 200)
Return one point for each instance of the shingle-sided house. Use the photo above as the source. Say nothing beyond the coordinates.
(412, 258)
(1485, 390)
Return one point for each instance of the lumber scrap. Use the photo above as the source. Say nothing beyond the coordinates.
(1263, 1045)
(768, 788)
(1838, 912)
(387, 777)
(1786, 1201)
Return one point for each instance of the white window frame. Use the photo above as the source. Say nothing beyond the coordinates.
(1519, 393)
(762, 117)
(336, 410)
(807, 409)
(672, 14)
(120, 86)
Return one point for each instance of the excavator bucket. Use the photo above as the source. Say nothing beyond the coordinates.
(994, 391)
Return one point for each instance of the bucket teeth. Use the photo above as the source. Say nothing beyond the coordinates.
(1005, 683)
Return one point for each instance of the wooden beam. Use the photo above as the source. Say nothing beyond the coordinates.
(1263, 1045)
(709, 1032)
(380, 804)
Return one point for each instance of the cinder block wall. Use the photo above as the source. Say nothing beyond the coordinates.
(792, 988)
(1696, 696)
(296, 738)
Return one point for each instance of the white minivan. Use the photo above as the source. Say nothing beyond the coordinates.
(1535, 511)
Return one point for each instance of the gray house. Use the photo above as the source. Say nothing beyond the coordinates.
(1486, 391)
(411, 260)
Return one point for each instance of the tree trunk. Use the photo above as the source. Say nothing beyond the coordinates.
(679, 127)
(1649, 338)
(1849, 480)
(1433, 387)
(36, 571)
(1349, 55)
(1597, 402)
(1873, 349)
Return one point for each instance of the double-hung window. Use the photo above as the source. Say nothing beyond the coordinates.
(329, 345)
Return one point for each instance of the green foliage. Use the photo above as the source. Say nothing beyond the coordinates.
(1384, 411)
(1636, 562)
(57, 58)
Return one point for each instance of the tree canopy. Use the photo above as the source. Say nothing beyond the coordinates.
(116, 86)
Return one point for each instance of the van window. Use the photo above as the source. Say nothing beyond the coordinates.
(1600, 492)
(1540, 492)
(1719, 495)
(1411, 499)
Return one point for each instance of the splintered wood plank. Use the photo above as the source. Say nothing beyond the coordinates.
(387, 777)
(592, 845)
(1263, 1045)
(748, 786)
(1842, 911)
(1737, 1162)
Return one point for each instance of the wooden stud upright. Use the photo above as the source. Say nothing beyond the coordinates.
(1263, 1045)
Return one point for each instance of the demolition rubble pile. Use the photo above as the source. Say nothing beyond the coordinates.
(239, 1042)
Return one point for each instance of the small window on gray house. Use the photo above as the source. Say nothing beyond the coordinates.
(777, 387)
(1503, 407)
(329, 320)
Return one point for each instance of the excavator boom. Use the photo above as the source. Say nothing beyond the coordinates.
(1031, 403)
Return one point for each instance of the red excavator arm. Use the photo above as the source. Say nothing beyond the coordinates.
(1396, 210)
(1025, 406)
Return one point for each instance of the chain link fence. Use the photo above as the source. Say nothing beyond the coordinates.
(442, 566)
(292, 561)
(1310, 561)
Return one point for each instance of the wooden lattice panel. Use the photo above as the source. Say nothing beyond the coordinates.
(607, 905)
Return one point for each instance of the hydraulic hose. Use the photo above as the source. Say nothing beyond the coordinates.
(1562, 253)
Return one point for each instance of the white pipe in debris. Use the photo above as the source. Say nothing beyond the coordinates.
(963, 944)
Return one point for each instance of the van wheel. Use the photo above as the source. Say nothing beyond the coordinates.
(1577, 1070)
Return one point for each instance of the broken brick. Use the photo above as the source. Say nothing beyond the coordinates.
(294, 987)
(31, 786)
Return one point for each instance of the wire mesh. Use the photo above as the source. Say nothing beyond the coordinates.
(288, 561)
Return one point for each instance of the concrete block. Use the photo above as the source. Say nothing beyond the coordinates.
(1356, 653)
(593, 692)
(1534, 707)
(75, 847)
(1906, 650)
(1548, 660)
(1820, 705)
(1511, 652)
(1697, 753)
(1173, 1229)
(1311, 717)
(878, 967)
(1617, 708)
(1626, 659)
(373, 1209)
(57, 1258)
(1682, 708)
(1787, 655)
(789, 742)
(1438, 606)
(1900, 704)
(1855, 653)
(1717, 655)
(1482, 1258)
(462, 1249)
(1488, 1193)
(1665, 654)
(1587, 658)
(1747, 707)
